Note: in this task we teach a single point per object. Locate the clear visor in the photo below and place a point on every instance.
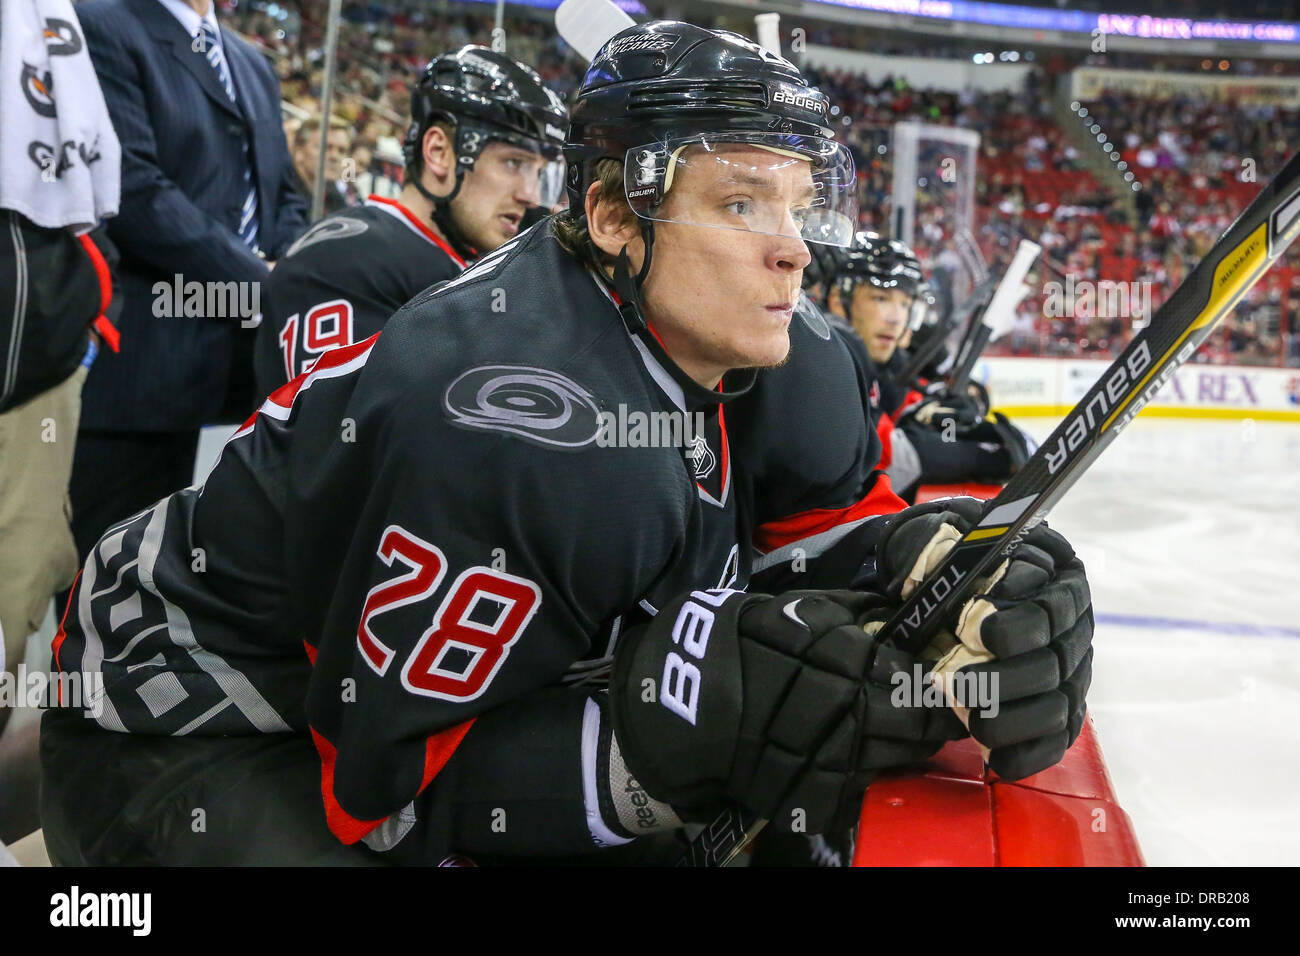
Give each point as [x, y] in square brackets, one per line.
[551, 183]
[769, 183]
[922, 312]
[515, 163]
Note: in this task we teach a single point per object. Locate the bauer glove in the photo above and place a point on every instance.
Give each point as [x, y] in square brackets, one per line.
[1024, 643]
[762, 701]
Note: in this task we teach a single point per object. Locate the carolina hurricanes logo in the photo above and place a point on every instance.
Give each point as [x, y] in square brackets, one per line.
[39, 89]
[875, 394]
[702, 459]
[61, 38]
[536, 404]
[334, 228]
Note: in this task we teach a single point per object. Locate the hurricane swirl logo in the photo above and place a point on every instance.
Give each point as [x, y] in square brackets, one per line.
[38, 88]
[336, 228]
[61, 38]
[536, 404]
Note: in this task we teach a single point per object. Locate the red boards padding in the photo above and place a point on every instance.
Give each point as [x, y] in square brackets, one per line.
[950, 812]
[964, 489]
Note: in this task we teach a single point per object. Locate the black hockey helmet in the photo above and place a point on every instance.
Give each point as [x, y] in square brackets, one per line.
[885, 263]
[656, 89]
[659, 85]
[487, 96]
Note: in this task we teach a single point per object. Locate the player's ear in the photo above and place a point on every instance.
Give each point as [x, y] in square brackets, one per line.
[611, 224]
[438, 152]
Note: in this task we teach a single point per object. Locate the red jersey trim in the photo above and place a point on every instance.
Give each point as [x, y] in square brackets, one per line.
[725, 486]
[880, 500]
[349, 829]
[414, 220]
[280, 402]
[62, 635]
[885, 429]
[910, 399]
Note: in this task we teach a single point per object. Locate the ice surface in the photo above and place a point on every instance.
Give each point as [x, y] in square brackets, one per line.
[1191, 534]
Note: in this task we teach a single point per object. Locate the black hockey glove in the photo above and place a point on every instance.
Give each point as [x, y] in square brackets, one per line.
[940, 405]
[1022, 649]
[758, 701]
[1015, 446]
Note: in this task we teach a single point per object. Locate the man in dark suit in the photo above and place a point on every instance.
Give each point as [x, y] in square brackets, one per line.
[208, 204]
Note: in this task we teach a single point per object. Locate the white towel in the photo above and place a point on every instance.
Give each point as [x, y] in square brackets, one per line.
[60, 161]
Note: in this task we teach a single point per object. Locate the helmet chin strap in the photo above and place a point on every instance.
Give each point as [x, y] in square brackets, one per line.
[442, 216]
[629, 288]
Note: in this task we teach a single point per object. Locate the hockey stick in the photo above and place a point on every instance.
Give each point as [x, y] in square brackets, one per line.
[1241, 256]
[926, 353]
[998, 316]
[964, 316]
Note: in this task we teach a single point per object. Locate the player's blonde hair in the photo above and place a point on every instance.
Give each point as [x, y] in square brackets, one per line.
[571, 225]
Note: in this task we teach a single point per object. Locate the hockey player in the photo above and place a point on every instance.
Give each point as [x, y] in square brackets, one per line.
[931, 436]
[482, 153]
[511, 582]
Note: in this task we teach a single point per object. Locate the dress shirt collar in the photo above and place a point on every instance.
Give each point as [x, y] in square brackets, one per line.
[190, 20]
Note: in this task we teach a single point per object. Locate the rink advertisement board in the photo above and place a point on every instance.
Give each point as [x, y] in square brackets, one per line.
[1034, 386]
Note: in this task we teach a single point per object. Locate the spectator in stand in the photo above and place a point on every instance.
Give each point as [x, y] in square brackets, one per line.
[306, 156]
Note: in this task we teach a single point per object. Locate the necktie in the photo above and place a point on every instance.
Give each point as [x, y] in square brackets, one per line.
[248, 220]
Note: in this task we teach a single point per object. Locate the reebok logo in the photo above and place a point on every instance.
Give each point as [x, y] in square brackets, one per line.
[645, 814]
[77, 909]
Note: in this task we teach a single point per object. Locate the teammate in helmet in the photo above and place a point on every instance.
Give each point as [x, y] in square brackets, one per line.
[879, 290]
[495, 604]
[482, 153]
[484, 132]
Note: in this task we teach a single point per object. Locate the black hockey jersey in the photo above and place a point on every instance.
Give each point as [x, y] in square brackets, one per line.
[341, 281]
[423, 550]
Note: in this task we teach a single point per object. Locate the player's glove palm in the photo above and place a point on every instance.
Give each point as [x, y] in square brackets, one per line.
[763, 701]
[1028, 638]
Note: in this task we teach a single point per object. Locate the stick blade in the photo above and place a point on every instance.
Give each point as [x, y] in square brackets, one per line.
[587, 25]
[1000, 316]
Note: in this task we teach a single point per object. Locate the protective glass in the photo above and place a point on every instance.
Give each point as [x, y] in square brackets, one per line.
[769, 183]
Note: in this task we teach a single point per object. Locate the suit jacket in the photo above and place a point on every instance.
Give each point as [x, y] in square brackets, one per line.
[182, 190]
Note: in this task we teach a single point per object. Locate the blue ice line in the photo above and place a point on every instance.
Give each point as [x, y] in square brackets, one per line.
[1218, 627]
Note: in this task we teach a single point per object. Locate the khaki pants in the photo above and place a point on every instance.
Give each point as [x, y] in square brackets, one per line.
[37, 554]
